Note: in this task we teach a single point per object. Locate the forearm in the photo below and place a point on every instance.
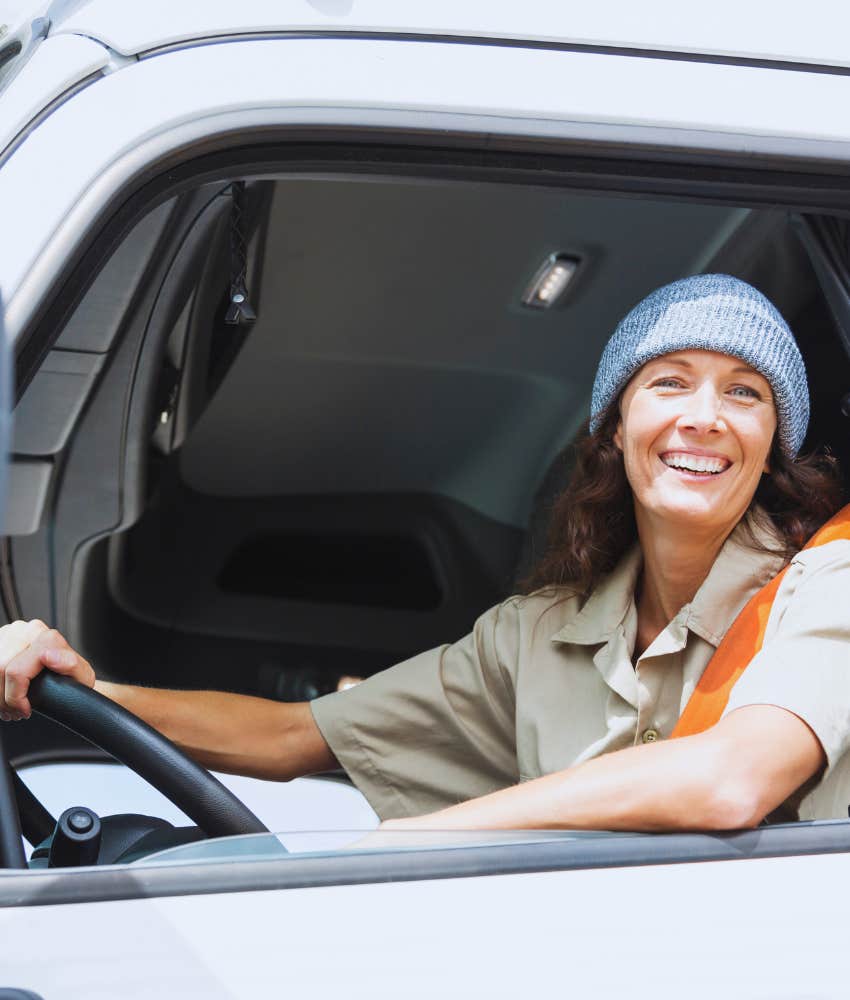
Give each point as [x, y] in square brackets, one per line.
[234, 733]
[728, 778]
[645, 788]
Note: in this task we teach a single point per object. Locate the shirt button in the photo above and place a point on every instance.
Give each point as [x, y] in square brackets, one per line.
[649, 736]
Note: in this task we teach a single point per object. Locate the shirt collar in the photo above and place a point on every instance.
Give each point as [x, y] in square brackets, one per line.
[606, 608]
[740, 569]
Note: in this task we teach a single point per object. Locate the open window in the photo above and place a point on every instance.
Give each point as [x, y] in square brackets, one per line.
[357, 473]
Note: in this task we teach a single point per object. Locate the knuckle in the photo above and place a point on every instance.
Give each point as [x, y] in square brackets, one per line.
[35, 628]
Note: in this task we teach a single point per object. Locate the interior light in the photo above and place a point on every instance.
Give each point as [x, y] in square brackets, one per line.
[551, 281]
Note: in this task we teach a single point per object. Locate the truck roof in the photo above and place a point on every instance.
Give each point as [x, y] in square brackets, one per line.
[730, 29]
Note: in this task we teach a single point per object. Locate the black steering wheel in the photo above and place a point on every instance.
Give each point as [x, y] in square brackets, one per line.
[204, 799]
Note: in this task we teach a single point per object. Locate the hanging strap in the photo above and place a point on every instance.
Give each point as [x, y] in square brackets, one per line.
[239, 310]
[741, 643]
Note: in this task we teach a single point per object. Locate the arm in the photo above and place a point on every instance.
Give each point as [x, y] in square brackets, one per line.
[727, 778]
[229, 732]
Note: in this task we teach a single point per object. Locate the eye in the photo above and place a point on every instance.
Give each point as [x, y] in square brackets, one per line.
[668, 382]
[745, 392]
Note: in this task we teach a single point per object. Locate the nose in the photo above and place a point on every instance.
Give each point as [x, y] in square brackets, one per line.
[702, 411]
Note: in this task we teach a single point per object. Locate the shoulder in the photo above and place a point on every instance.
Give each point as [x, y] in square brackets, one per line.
[538, 615]
[817, 575]
[831, 558]
[813, 594]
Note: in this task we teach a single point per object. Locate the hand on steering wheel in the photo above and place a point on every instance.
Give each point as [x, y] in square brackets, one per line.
[26, 648]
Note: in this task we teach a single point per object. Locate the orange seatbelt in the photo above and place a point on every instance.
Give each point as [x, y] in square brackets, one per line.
[741, 643]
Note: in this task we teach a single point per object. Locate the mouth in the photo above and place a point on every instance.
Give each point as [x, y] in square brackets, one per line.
[699, 466]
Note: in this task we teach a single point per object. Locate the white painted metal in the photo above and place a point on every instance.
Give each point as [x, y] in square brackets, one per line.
[783, 31]
[114, 128]
[58, 63]
[753, 930]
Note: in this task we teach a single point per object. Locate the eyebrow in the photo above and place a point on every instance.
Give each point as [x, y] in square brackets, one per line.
[682, 363]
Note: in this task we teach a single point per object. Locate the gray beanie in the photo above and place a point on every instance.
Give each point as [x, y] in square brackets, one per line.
[710, 312]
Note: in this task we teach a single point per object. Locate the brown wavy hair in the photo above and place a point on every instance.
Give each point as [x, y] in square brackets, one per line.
[592, 522]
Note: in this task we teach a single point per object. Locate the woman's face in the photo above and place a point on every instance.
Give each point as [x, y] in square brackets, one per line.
[695, 431]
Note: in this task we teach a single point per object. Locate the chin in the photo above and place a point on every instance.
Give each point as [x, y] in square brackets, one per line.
[697, 512]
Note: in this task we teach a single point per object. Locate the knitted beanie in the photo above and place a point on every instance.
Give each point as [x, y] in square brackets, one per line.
[710, 312]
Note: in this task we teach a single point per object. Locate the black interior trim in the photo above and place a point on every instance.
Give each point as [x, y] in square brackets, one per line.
[37, 824]
[46, 888]
[828, 259]
[491, 41]
[11, 848]
[8, 590]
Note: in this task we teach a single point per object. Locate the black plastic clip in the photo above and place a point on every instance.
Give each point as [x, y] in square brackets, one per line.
[240, 309]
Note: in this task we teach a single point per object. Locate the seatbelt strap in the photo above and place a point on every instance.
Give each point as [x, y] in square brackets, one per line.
[741, 643]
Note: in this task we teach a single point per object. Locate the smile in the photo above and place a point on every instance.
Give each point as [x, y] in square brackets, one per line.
[701, 465]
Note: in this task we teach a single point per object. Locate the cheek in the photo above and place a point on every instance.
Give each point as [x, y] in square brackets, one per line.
[757, 444]
[638, 434]
[635, 423]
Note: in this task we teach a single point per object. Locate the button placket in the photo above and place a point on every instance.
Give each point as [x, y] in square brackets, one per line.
[659, 662]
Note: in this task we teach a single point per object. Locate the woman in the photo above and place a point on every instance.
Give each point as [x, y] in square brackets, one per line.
[554, 712]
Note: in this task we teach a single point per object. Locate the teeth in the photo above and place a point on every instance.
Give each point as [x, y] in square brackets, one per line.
[695, 463]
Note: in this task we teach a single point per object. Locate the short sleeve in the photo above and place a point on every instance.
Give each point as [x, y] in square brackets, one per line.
[434, 730]
[804, 663]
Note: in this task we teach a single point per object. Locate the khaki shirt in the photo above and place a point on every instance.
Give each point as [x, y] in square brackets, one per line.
[543, 683]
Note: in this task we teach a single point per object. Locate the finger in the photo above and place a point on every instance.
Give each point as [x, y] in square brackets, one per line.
[26, 665]
[15, 692]
[13, 638]
[34, 628]
[50, 639]
[61, 661]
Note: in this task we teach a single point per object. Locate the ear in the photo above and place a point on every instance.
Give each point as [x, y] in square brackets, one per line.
[618, 435]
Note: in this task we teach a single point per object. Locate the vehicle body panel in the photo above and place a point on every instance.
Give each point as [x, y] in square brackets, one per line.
[58, 64]
[699, 930]
[732, 29]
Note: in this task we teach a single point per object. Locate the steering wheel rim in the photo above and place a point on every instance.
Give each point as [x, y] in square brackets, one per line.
[124, 736]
